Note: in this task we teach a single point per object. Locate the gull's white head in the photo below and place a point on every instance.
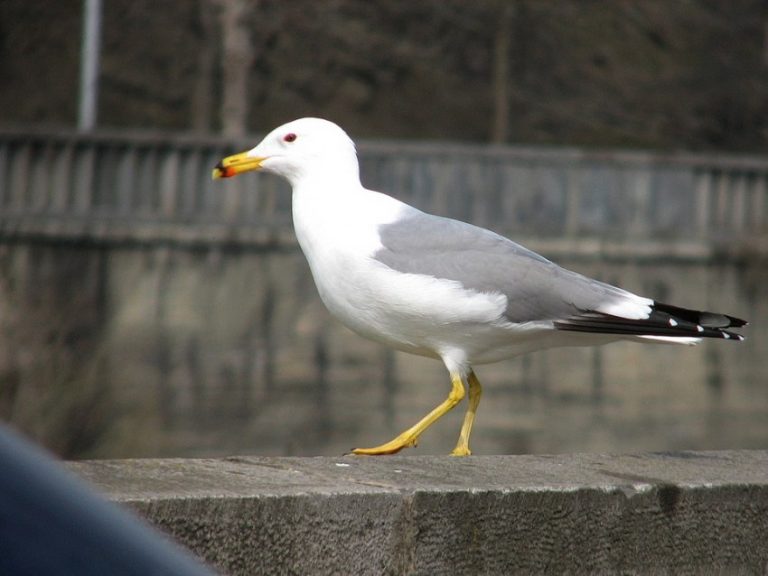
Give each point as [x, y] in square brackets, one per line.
[304, 148]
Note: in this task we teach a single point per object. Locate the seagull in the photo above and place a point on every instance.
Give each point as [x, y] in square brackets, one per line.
[439, 287]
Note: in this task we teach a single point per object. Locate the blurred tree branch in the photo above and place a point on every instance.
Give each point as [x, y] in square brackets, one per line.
[501, 102]
[236, 59]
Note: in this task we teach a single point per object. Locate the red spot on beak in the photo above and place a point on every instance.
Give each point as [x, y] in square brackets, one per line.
[221, 171]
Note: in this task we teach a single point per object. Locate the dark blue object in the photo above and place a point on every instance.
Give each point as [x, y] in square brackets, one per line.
[51, 524]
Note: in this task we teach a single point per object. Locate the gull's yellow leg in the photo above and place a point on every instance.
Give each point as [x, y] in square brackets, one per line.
[475, 391]
[410, 436]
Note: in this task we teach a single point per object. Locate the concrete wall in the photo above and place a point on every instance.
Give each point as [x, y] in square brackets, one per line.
[111, 351]
[662, 513]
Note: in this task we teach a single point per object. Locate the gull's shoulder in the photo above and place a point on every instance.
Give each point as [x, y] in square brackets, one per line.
[415, 230]
[382, 209]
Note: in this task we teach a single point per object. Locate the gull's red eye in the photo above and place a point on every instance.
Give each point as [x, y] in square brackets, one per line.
[290, 137]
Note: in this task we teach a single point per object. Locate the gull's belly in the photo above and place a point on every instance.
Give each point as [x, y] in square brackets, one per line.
[411, 312]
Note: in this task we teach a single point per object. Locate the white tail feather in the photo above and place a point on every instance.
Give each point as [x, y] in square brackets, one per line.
[689, 341]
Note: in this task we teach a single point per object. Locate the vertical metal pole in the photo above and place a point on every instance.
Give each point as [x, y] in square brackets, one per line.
[89, 65]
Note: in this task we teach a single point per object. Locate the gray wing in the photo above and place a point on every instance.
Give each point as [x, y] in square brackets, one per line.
[536, 289]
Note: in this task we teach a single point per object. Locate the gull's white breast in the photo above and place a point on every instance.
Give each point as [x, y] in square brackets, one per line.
[338, 233]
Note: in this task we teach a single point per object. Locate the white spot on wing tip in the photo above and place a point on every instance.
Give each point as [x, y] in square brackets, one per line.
[687, 340]
[672, 322]
[636, 308]
[699, 328]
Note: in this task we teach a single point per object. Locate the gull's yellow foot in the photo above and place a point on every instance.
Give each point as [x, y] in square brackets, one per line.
[391, 447]
[475, 391]
[410, 436]
[461, 451]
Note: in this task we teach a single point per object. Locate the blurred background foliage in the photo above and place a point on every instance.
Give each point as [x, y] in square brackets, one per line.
[683, 74]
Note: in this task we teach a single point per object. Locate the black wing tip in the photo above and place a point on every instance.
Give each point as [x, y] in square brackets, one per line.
[664, 320]
[736, 322]
[704, 332]
[733, 336]
[706, 319]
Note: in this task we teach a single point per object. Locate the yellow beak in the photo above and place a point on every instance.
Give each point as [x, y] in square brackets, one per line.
[236, 164]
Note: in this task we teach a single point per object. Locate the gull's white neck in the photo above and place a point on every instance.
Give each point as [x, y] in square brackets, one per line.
[325, 198]
[325, 204]
[336, 222]
[340, 173]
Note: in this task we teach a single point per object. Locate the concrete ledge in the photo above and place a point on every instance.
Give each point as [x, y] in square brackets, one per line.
[684, 512]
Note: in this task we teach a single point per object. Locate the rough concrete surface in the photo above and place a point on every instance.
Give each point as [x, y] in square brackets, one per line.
[666, 513]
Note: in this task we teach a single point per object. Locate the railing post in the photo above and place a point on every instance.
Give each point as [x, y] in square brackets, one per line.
[757, 206]
[639, 190]
[5, 180]
[126, 180]
[41, 180]
[83, 178]
[721, 207]
[19, 181]
[62, 177]
[703, 182]
[573, 200]
[738, 203]
[169, 182]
